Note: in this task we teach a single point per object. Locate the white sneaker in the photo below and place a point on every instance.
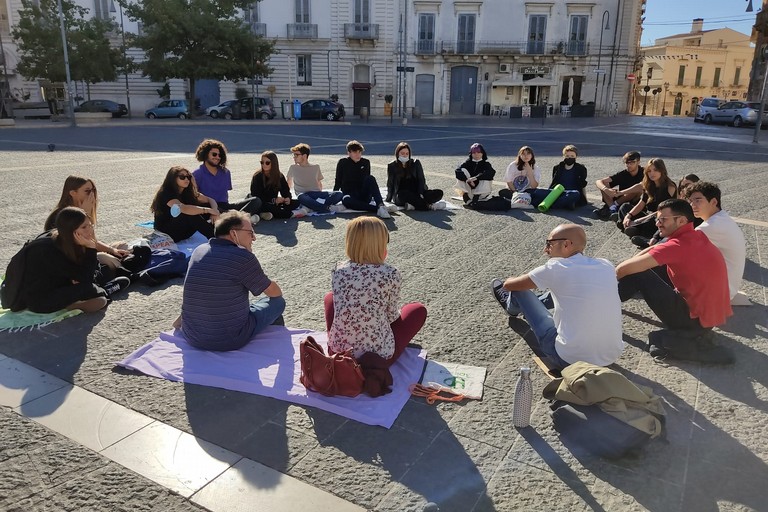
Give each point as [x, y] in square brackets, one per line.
[383, 213]
[338, 208]
[440, 205]
[409, 207]
[255, 219]
[392, 208]
[266, 215]
[299, 212]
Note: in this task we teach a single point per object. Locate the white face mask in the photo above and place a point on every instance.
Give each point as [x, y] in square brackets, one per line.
[403, 159]
[477, 159]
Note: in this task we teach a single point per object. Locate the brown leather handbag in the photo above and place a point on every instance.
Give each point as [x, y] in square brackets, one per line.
[334, 375]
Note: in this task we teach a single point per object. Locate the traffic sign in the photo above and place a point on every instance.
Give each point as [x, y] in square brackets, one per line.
[598, 71]
[631, 77]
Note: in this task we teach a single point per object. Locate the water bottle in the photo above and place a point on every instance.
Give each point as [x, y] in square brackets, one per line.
[521, 411]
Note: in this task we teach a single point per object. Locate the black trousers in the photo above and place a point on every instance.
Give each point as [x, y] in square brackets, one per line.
[252, 205]
[281, 211]
[184, 226]
[419, 201]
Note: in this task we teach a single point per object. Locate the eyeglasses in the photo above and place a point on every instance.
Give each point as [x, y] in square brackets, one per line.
[266, 162]
[214, 154]
[252, 232]
[548, 243]
[662, 220]
[184, 177]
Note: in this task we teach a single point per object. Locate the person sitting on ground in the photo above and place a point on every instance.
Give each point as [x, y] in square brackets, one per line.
[723, 232]
[522, 176]
[687, 180]
[572, 176]
[474, 176]
[307, 181]
[623, 187]
[215, 311]
[214, 179]
[580, 286]
[638, 220]
[63, 271]
[180, 210]
[695, 297]
[353, 178]
[361, 311]
[406, 184]
[271, 188]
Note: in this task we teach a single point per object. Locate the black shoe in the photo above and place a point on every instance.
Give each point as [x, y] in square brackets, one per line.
[603, 212]
[614, 216]
[279, 321]
[465, 197]
[115, 285]
[641, 241]
[502, 297]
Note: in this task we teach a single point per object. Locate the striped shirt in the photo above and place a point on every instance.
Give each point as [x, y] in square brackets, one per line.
[215, 304]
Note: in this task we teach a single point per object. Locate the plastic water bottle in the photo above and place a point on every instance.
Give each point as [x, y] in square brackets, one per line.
[521, 411]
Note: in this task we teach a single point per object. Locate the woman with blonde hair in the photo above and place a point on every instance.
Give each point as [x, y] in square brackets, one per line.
[657, 187]
[271, 187]
[361, 311]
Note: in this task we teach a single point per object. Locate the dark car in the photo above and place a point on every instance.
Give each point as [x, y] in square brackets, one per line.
[243, 109]
[322, 109]
[117, 109]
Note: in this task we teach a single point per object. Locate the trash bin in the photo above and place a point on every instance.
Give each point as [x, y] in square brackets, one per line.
[363, 112]
[297, 109]
[486, 109]
[538, 111]
[515, 112]
[285, 107]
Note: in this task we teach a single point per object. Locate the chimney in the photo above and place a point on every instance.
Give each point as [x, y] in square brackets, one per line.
[697, 25]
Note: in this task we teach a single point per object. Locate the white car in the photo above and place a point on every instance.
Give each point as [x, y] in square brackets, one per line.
[214, 110]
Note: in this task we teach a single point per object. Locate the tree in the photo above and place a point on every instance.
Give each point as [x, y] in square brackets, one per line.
[194, 39]
[38, 37]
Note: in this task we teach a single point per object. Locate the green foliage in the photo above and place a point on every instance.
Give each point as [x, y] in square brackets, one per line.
[165, 91]
[38, 37]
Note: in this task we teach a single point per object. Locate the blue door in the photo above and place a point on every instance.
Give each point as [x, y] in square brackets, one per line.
[207, 92]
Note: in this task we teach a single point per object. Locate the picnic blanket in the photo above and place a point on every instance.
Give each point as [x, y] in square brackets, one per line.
[269, 366]
[21, 320]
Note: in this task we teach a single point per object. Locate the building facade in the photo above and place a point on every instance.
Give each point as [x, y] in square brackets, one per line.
[685, 68]
[434, 57]
[760, 40]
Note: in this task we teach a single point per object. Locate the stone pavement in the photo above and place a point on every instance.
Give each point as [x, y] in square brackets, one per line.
[464, 457]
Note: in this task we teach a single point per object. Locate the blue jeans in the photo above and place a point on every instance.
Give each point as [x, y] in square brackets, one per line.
[309, 199]
[567, 199]
[266, 310]
[541, 322]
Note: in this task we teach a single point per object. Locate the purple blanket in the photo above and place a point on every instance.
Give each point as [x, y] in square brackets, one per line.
[269, 366]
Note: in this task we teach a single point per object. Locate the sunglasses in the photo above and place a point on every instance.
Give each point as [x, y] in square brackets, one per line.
[548, 243]
[213, 154]
[266, 162]
[184, 177]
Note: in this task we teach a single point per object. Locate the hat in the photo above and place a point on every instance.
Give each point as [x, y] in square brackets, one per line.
[476, 147]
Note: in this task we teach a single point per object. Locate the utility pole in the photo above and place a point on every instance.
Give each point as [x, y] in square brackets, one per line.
[66, 66]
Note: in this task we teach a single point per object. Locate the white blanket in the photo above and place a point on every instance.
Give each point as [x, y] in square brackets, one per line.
[269, 366]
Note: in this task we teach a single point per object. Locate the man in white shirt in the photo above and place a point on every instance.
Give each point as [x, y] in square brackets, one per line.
[723, 232]
[586, 324]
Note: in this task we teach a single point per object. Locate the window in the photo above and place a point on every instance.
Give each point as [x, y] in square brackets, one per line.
[681, 75]
[426, 41]
[697, 83]
[577, 37]
[303, 70]
[716, 80]
[537, 31]
[101, 9]
[465, 40]
[362, 11]
[302, 11]
[737, 76]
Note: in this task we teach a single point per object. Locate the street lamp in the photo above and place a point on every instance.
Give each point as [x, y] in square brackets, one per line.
[125, 59]
[646, 89]
[603, 27]
[664, 104]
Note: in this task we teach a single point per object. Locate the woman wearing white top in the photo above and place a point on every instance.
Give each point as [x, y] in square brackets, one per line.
[522, 174]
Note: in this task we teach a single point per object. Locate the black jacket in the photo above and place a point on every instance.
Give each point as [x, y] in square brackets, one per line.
[581, 178]
[260, 190]
[482, 169]
[350, 175]
[396, 174]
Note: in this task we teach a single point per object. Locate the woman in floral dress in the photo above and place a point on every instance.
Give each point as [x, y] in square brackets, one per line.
[361, 311]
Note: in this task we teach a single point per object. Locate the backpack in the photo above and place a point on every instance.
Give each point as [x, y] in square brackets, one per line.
[10, 290]
[164, 264]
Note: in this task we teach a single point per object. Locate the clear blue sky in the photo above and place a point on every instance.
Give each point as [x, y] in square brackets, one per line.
[667, 17]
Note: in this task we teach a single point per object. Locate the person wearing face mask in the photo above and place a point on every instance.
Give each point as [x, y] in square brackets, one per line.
[406, 185]
[572, 176]
[224, 271]
[474, 177]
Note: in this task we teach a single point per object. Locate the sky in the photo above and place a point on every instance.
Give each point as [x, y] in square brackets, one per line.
[667, 17]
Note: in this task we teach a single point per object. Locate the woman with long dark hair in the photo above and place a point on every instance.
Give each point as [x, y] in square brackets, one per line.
[62, 272]
[657, 187]
[271, 187]
[406, 185]
[180, 209]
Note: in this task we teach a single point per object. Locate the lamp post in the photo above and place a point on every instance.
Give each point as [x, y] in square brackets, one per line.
[71, 108]
[603, 27]
[646, 89]
[664, 104]
[125, 59]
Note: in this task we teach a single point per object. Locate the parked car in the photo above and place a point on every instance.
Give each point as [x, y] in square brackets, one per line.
[117, 109]
[169, 108]
[215, 110]
[322, 109]
[738, 113]
[243, 109]
[705, 108]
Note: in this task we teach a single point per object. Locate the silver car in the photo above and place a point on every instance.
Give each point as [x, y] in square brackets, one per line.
[705, 108]
[739, 113]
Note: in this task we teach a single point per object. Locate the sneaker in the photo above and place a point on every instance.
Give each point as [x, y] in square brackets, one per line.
[502, 296]
[392, 208]
[409, 207]
[465, 197]
[383, 213]
[640, 241]
[255, 219]
[603, 212]
[266, 215]
[613, 213]
[299, 213]
[337, 208]
[614, 217]
[440, 205]
[115, 285]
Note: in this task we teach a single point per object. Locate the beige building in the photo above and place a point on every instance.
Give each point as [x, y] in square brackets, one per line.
[684, 68]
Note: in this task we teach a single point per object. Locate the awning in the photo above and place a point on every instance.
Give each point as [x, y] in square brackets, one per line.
[540, 82]
[507, 82]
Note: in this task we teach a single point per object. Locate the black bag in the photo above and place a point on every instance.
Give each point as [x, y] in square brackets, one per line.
[138, 260]
[593, 429]
[10, 290]
[493, 204]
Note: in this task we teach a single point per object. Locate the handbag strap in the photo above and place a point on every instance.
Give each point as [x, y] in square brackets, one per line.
[432, 393]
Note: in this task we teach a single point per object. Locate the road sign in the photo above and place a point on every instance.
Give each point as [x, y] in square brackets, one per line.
[631, 77]
[406, 69]
[598, 71]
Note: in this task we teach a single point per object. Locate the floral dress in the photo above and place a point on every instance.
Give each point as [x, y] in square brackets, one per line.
[365, 298]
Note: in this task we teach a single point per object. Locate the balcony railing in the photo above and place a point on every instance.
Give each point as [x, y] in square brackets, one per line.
[302, 31]
[361, 31]
[505, 48]
[259, 29]
[426, 47]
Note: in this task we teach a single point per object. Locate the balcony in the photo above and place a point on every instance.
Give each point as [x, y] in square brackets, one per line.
[368, 31]
[505, 48]
[425, 47]
[302, 31]
[259, 29]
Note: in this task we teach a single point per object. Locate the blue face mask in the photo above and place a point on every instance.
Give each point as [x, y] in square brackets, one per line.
[403, 159]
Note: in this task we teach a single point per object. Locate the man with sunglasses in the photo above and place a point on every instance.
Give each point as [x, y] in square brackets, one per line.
[216, 313]
[581, 288]
[692, 295]
[215, 180]
[623, 187]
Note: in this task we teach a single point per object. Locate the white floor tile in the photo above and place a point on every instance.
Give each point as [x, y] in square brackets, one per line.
[21, 383]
